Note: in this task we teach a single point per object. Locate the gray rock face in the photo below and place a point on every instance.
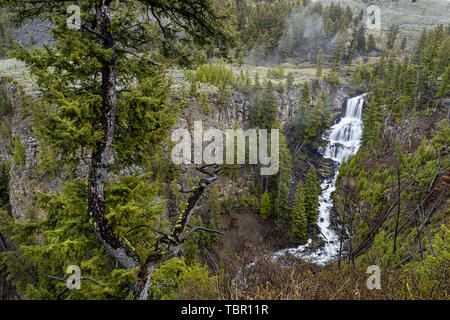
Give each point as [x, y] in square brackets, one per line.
[26, 179]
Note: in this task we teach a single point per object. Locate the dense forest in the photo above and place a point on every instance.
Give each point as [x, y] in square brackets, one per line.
[86, 137]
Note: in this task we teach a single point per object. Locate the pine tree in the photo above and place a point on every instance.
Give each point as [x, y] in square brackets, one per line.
[257, 83]
[203, 102]
[392, 35]
[360, 39]
[184, 96]
[306, 95]
[338, 50]
[83, 116]
[444, 86]
[403, 44]
[193, 88]
[371, 45]
[312, 192]
[283, 181]
[289, 81]
[299, 219]
[319, 62]
[4, 184]
[373, 118]
[266, 206]
[224, 94]
[264, 109]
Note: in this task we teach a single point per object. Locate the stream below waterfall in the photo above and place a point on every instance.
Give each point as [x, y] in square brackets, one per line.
[344, 142]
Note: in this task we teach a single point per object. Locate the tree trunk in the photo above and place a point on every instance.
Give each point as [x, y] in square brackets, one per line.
[98, 172]
[398, 202]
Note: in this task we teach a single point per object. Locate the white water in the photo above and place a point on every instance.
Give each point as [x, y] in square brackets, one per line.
[344, 142]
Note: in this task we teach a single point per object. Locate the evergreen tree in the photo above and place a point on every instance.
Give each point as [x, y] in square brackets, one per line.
[203, 102]
[257, 83]
[318, 123]
[289, 81]
[373, 117]
[299, 219]
[393, 31]
[360, 39]
[224, 94]
[338, 50]
[444, 86]
[319, 62]
[266, 206]
[4, 184]
[403, 44]
[283, 181]
[193, 88]
[264, 109]
[312, 192]
[82, 115]
[371, 45]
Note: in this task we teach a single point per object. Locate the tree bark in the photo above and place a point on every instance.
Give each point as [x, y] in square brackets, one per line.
[398, 202]
[98, 172]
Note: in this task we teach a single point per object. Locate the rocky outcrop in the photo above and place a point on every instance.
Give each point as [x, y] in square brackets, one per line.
[25, 178]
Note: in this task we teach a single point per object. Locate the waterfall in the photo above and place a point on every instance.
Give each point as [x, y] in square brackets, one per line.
[344, 142]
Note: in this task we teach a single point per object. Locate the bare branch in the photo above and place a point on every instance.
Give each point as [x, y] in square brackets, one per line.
[200, 229]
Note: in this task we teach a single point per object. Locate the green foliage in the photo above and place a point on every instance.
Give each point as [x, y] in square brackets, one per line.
[319, 62]
[204, 103]
[283, 182]
[223, 95]
[5, 105]
[215, 74]
[312, 122]
[94, 94]
[299, 219]
[209, 239]
[393, 31]
[193, 88]
[4, 184]
[261, 25]
[65, 237]
[338, 50]
[333, 78]
[428, 276]
[266, 206]
[359, 36]
[175, 279]
[6, 38]
[318, 122]
[442, 138]
[264, 109]
[312, 192]
[257, 82]
[73, 128]
[373, 117]
[280, 88]
[361, 75]
[184, 97]
[371, 44]
[444, 86]
[19, 153]
[275, 73]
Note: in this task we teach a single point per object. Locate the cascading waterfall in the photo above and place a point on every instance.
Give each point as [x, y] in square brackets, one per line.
[344, 142]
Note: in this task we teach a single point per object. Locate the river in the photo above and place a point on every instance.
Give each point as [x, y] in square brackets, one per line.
[344, 142]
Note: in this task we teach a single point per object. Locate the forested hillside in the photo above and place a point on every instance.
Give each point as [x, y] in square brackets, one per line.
[93, 109]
